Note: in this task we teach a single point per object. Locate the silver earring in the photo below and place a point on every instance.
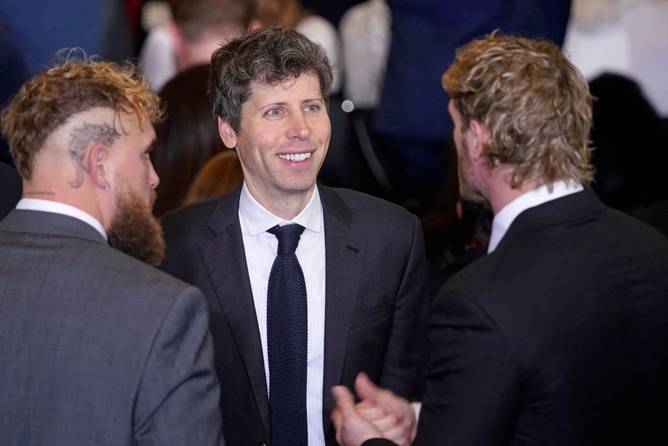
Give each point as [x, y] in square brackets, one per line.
[106, 185]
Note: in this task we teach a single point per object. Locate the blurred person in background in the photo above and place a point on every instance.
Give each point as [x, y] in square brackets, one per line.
[42, 28]
[411, 122]
[186, 138]
[13, 73]
[10, 189]
[622, 37]
[196, 29]
[220, 175]
[291, 14]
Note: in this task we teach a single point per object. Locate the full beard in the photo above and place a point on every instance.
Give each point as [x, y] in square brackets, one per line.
[135, 231]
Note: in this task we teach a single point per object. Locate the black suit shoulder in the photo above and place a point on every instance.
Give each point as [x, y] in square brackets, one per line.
[574, 297]
[191, 219]
[369, 207]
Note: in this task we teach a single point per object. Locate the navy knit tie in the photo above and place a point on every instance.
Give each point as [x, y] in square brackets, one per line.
[286, 341]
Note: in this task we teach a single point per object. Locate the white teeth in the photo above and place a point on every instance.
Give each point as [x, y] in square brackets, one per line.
[296, 156]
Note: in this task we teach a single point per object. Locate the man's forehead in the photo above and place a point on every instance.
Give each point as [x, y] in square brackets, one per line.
[308, 79]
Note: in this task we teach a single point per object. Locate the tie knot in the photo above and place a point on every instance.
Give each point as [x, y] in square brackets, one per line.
[288, 237]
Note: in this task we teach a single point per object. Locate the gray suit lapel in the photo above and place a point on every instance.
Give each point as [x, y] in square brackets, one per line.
[224, 259]
[344, 255]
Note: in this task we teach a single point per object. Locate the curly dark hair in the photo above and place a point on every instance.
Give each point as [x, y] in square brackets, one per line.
[267, 56]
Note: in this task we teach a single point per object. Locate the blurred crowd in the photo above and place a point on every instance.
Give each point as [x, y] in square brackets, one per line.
[431, 195]
[391, 132]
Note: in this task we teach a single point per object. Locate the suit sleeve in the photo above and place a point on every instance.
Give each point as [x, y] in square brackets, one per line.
[177, 401]
[472, 390]
[406, 352]
[379, 442]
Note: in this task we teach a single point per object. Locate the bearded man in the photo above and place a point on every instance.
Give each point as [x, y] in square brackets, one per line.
[96, 346]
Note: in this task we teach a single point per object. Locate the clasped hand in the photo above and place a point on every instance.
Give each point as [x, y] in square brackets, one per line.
[379, 414]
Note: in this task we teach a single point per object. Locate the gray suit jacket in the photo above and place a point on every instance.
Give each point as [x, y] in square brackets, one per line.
[375, 292]
[97, 347]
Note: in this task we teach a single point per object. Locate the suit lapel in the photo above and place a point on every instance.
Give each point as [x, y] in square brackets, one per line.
[225, 262]
[344, 247]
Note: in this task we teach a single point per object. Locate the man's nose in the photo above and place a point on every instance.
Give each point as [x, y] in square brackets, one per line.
[153, 178]
[299, 126]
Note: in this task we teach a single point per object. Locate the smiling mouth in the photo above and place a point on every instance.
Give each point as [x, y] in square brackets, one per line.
[296, 157]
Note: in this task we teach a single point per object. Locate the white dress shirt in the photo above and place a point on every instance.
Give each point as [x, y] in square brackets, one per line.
[56, 207]
[260, 247]
[505, 217]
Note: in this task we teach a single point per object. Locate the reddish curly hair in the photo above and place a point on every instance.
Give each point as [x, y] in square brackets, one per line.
[48, 100]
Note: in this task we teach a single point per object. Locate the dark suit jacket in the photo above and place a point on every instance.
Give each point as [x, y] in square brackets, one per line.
[10, 189]
[558, 337]
[97, 347]
[375, 289]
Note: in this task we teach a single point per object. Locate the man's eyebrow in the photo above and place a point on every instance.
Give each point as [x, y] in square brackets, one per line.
[271, 104]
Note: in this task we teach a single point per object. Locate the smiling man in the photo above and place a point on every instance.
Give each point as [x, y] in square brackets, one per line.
[97, 347]
[345, 292]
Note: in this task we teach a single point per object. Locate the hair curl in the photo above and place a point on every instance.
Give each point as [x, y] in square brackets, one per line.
[267, 56]
[47, 101]
[534, 102]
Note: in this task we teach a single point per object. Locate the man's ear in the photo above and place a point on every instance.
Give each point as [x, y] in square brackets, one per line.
[227, 134]
[97, 165]
[478, 137]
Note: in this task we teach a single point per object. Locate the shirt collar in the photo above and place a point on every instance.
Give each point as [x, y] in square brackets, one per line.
[56, 207]
[257, 219]
[505, 217]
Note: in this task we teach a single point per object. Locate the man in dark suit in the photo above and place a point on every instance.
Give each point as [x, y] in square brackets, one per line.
[10, 185]
[558, 336]
[97, 347]
[361, 258]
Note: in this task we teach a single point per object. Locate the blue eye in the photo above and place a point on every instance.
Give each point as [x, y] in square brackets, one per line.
[313, 107]
[273, 112]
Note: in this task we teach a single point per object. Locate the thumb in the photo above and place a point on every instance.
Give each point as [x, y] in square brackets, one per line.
[366, 389]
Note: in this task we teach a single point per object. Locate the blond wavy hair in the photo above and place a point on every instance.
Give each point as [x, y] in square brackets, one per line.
[534, 102]
[48, 100]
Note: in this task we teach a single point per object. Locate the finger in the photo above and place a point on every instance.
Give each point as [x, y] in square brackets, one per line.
[369, 412]
[365, 388]
[345, 401]
[386, 423]
[337, 417]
